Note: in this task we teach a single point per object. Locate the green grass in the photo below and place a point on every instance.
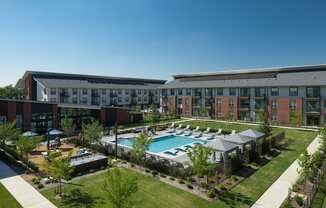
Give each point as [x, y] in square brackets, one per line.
[132, 125]
[6, 200]
[320, 197]
[153, 193]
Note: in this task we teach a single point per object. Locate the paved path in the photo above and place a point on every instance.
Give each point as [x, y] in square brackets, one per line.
[25, 194]
[278, 191]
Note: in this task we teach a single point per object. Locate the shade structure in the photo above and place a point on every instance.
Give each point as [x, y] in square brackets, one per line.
[55, 132]
[237, 139]
[29, 134]
[221, 145]
[252, 134]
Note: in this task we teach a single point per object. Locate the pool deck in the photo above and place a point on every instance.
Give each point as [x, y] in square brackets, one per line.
[180, 157]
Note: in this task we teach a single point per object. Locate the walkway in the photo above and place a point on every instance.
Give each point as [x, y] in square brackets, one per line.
[278, 191]
[25, 194]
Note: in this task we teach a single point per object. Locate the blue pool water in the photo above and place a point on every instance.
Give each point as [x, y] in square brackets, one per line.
[162, 143]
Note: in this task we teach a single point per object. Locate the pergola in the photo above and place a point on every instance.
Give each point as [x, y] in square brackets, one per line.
[237, 139]
[223, 148]
[256, 136]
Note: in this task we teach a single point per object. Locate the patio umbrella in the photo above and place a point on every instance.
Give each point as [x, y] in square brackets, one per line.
[55, 132]
[29, 134]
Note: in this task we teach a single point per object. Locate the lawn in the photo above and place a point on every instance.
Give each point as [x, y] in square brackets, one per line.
[6, 200]
[165, 121]
[320, 197]
[153, 193]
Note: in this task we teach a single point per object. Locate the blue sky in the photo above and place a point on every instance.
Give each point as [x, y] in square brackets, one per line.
[155, 39]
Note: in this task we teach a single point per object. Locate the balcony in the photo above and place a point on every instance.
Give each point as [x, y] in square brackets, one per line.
[313, 107]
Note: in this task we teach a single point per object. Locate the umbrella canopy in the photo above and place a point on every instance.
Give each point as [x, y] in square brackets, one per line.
[221, 145]
[252, 134]
[55, 132]
[29, 134]
[237, 139]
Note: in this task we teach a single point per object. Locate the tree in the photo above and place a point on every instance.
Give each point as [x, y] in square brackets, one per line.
[141, 145]
[120, 188]
[304, 162]
[11, 92]
[8, 132]
[26, 145]
[322, 135]
[91, 132]
[153, 116]
[60, 169]
[68, 126]
[265, 127]
[199, 156]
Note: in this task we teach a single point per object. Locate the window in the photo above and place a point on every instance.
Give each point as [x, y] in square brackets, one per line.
[274, 116]
[145, 99]
[103, 100]
[274, 104]
[219, 105]
[139, 99]
[119, 92]
[172, 92]
[53, 100]
[188, 92]
[293, 91]
[84, 100]
[313, 92]
[127, 92]
[232, 92]
[179, 91]
[274, 91]
[127, 100]
[208, 92]
[139, 92]
[84, 91]
[145, 92]
[293, 105]
[74, 100]
[244, 92]
[3, 119]
[260, 92]
[231, 103]
[103, 91]
[53, 91]
[74, 91]
[119, 99]
[197, 92]
[219, 91]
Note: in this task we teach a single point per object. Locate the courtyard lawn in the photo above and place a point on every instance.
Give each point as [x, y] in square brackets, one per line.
[153, 193]
[165, 121]
[320, 197]
[6, 200]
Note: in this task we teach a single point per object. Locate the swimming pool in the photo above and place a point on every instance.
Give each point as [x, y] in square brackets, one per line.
[163, 143]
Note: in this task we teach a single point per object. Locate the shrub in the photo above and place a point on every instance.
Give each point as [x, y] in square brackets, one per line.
[211, 193]
[190, 186]
[221, 187]
[181, 181]
[162, 175]
[39, 186]
[298, 199]
[154, 173]
[172, 179]
[147, 171]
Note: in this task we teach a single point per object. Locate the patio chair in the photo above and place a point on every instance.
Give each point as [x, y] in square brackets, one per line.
[187, 133]
[182, 149]
[209, 136]
[187, 127]
[171, 130]
[198, 134]
[233, 132]
[219, 132]
[180, 132]
[207, 130]
[180, 126]
[197, 129]
[171, 152]
[172, 125]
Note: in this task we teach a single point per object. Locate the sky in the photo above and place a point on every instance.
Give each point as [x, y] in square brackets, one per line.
[158, 38]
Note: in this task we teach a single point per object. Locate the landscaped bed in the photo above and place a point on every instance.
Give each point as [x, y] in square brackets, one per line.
[6, 200]
[153, 193]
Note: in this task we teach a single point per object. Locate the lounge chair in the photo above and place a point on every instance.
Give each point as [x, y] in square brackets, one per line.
[171, 152]
[171, 130]
[207, 130]
[209, 136]
[197, 129]
[233, 132]
[187, 127]
[180, 126]
[219, 132]
[180, 132]
[172, 125]
[182, 149]
[187, 133]
[197, 135]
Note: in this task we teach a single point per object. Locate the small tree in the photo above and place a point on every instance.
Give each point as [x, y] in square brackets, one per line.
[141, 145]
[26, 145]
[322, 135]
[265, 127]
[153, 116]
[68, 126]
[199, 156]
[120, 188]
[60, 169]
[91, 132]
[304, 162]
[8, 132]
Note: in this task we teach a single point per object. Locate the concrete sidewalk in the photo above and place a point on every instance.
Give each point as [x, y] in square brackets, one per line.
[278, 191]
[25, 194]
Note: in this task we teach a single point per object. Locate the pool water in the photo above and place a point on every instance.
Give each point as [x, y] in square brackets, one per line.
[162, 143]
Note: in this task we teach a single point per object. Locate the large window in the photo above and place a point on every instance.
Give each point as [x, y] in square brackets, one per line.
[293, 91]
[53, 91]
[74, 91]
[260, 92]
[198, 92]
[188, 92]
[244, 92]
[274, 91]
[179, 91]
[84, 91]
[219, 91]
[172, 93]
[3, 119]
[313, 92]
[293, 105]
[232, 92]
[208, 92]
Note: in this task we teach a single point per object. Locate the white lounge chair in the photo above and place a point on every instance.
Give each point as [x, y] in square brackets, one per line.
[207, 130]
[233, 132]
[179, 132]
[171, 130]
[187, 127]
[188, 133]
[171, 152]
[172, 125]
[219, 132]
[180, 126]
[198, 134]
[208, 136]
[196, 129]
[182, 148]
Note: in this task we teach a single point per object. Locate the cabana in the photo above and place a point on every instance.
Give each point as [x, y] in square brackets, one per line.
[221, 151]
[242, 142]
[256, 136]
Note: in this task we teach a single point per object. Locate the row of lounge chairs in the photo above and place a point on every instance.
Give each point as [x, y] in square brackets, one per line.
[188, 132]
[184, 148]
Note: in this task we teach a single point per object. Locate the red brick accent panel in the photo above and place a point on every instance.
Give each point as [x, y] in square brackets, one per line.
[27, 116]
[184, 111]
[213, 105]
[122, 116]
[283, 112]
[172, 103]
[225, 106]
[11, 111]
[55, 116]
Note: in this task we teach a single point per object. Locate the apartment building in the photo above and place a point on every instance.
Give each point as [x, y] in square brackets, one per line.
[288, 95]
[73, 90]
